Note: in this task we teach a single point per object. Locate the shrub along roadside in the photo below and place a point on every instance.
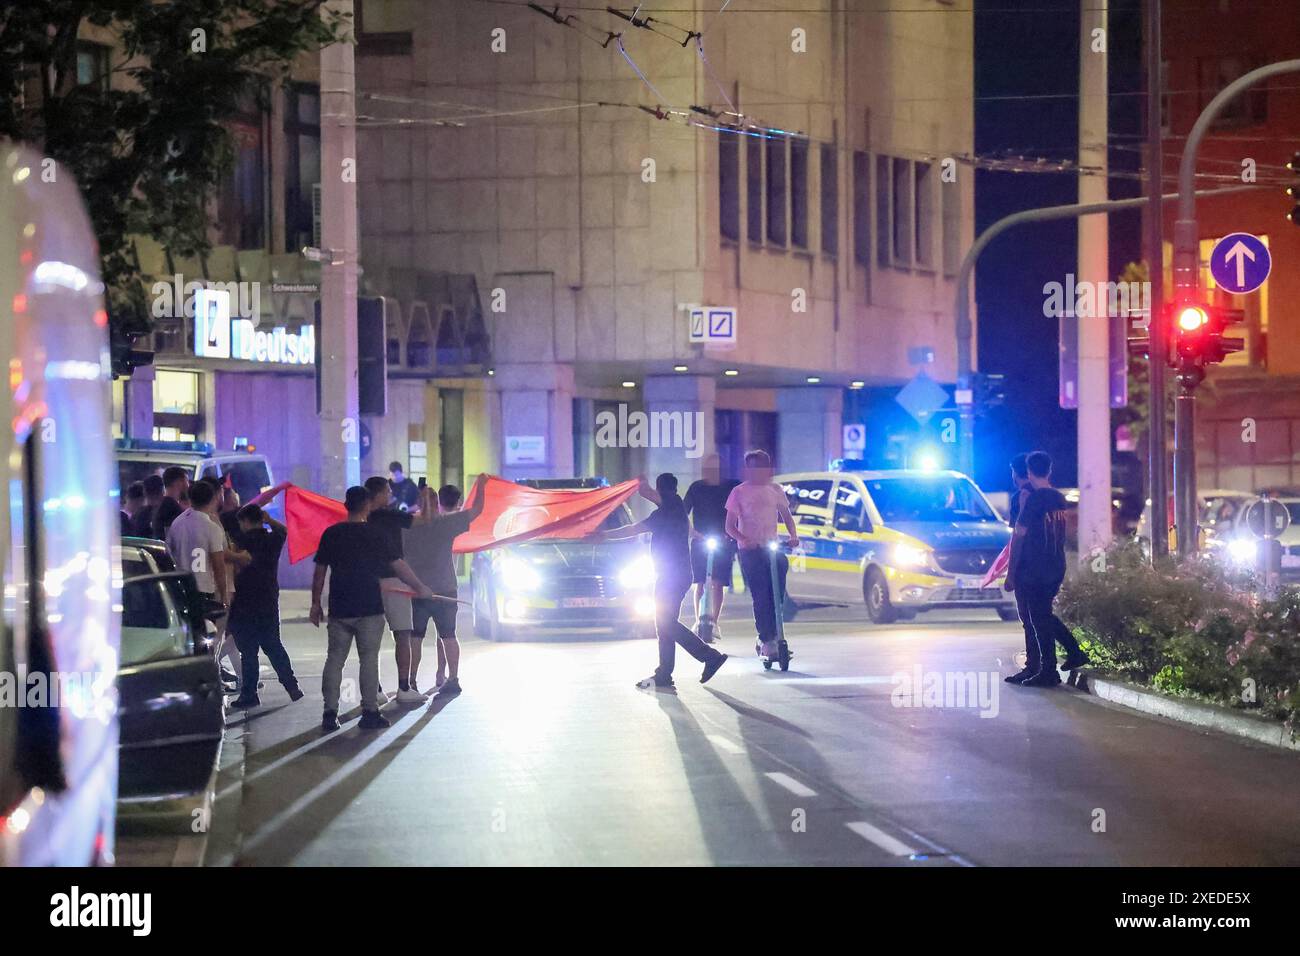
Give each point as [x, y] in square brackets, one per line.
[1192, 629]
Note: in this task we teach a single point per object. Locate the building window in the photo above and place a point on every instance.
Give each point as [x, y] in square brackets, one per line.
[385, 26]
[754, 187]
[729, 186]
[92, 65]
[951, 210]
[241, 199]
[177, 414]
[830, 190]
[302, 165]
[923, 212]
[884, 209]
[799, 193]
[777, 210]
[861, 208]
[1214, 73]
[903, 212]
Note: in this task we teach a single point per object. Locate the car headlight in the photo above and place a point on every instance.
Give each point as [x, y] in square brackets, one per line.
[637, 575]
[910, 556]
[517, 574]
[1243, 550]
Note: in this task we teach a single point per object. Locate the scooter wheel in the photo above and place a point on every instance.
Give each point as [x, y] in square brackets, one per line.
[767, 665]
[783, 656]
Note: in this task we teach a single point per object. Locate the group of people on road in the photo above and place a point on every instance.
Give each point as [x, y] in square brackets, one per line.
[390, 562]
[697, 540]
[1036, 570]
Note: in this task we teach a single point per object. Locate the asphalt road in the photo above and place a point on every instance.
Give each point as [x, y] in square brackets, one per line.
[552, 756]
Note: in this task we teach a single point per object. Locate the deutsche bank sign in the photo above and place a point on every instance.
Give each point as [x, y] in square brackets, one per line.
[219, 335]
[713, 325]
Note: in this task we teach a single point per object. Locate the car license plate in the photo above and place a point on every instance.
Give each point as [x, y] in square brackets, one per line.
[583, 602]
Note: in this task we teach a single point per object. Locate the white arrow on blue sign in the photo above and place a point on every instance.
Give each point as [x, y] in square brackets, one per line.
[1240, 263]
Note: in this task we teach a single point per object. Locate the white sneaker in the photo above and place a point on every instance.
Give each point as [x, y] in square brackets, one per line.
[411, 696]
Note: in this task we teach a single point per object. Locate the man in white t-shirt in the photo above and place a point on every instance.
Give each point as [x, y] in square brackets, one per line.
[754, 509]
[197, 543]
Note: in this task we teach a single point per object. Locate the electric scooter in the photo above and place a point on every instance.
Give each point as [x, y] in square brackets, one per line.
[707, 612]
[783, 653]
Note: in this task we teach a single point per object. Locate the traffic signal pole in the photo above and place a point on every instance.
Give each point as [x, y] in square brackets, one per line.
[1187, 269]
[1157, 328]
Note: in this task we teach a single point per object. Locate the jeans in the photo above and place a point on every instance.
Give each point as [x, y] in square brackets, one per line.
[671, 631]
[1045, 628]
[367, 631]
[264, 635]
[756, 569]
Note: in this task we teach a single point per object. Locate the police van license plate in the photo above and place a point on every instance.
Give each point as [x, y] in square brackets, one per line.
[583, 602]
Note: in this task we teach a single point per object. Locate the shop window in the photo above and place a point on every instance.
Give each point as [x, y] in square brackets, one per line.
[830, 196]
[241, 198]
[92, 65]
[385, 26]
[754, 188]
[302, 165]
[778, 153]
[799, 193]
[176, 392]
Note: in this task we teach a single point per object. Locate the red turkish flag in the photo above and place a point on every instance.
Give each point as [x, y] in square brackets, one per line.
[307, 515]
[511, 513]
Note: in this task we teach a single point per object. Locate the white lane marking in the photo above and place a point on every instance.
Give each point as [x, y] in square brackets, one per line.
[791, 784]
[881, 839]
[867, 679]
[723, 743]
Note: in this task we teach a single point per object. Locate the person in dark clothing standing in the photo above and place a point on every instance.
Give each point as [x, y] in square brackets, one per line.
[132, 504]
[406, 494]
[706, 504]
[1020, 491]
[176, 488]
[391, 521]
[142, 523]
[1036, 570]
[670, 551]
[254, 619]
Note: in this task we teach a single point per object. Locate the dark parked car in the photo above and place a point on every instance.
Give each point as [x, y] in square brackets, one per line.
[171, 706]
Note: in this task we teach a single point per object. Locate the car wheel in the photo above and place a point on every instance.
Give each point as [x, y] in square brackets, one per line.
[1008, 614]
[875, 592]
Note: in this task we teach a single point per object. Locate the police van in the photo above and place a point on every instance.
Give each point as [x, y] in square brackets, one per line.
[249, 472]
[900, 541]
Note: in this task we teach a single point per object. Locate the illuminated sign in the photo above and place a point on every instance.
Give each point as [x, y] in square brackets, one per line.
[218, 335]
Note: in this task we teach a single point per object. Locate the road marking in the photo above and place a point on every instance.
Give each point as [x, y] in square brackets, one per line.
[881, 839]
[866, 679]
[791, 784]
[722, 743]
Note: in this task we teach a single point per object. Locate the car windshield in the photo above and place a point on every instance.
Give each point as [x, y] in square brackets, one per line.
[937, 498]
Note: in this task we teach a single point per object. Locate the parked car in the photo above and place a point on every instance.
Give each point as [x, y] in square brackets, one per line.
[171, 707]
[900, 541]
[553, 583]
[1242, 547]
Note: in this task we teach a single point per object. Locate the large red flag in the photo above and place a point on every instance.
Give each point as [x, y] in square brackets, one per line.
[511, 513]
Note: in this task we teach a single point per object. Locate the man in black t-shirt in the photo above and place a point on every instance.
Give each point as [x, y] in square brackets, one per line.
[1036, 570]
[358, 556]
[1020, 490]
[254, 618]
[391, 521]
[706, 503]
[406, 494]
[669, 550]
[176, 487]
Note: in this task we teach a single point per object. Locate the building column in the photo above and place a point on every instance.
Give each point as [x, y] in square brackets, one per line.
[680, 412]
[809, 428]
[536, 402]
[137, 402]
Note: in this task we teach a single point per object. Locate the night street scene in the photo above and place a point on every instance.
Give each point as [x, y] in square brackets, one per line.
[843, 435]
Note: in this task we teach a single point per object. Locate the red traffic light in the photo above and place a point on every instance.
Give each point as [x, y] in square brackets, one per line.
[1192, 318]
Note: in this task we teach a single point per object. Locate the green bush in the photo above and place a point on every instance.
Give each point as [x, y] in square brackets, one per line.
[1193, 629]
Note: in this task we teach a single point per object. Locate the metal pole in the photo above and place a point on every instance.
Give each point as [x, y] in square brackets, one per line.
[339, 420]
[1093, 332]
[1185, 517]
[1187, 275]
[1158, 485]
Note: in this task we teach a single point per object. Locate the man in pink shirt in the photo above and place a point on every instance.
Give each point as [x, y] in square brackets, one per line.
[754, 509]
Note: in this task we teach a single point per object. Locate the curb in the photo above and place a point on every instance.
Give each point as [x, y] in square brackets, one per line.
[1194, 712]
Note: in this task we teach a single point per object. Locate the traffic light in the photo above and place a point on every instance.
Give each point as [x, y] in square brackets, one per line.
[1293, 191]
[1197, 337]
[125, 357]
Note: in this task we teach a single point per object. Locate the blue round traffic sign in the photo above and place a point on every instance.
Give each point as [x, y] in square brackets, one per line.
[1240, 262]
